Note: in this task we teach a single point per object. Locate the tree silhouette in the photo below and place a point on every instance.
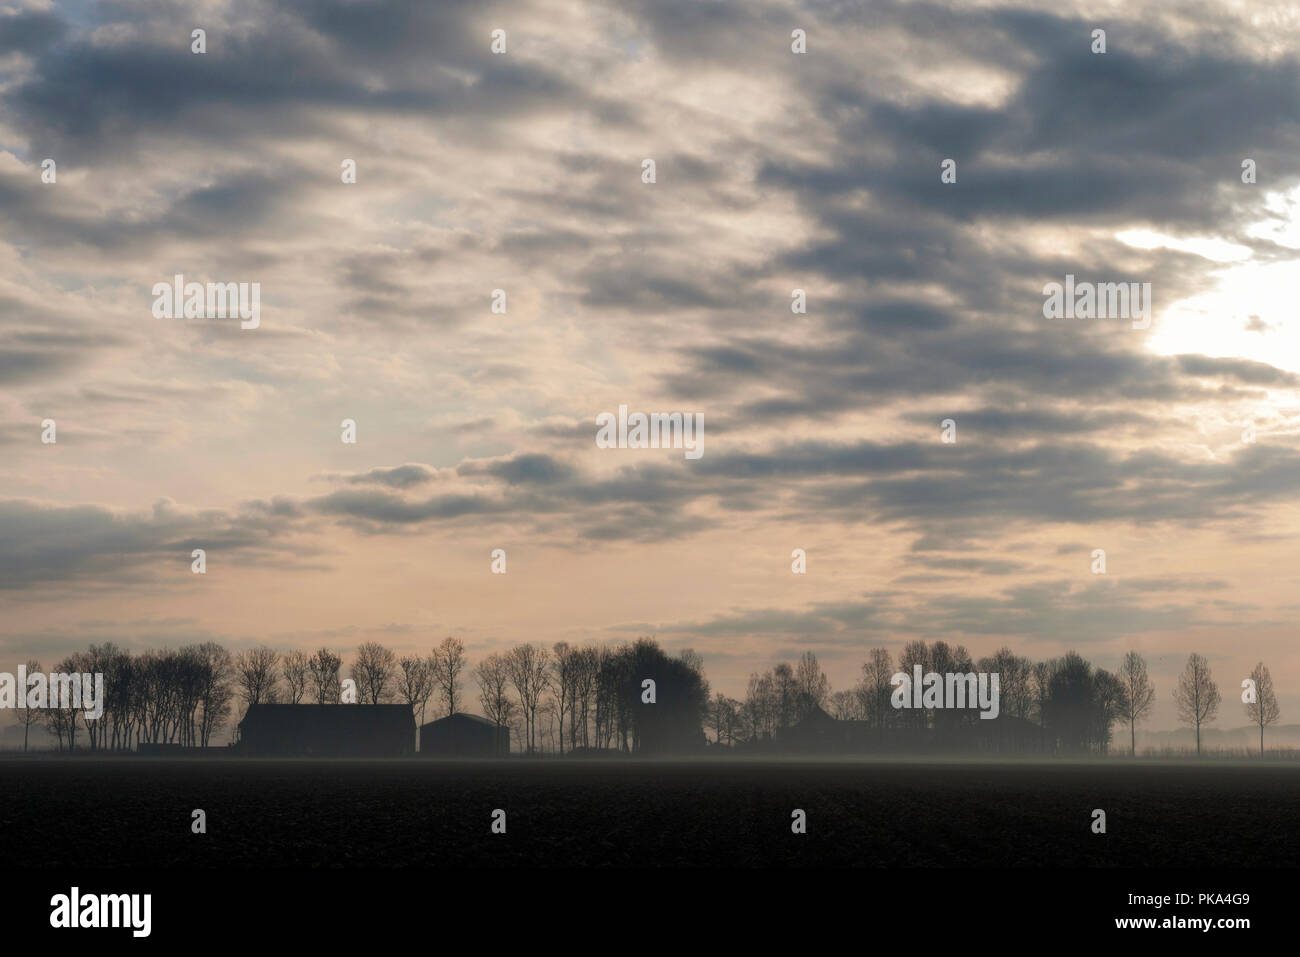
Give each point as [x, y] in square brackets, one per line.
[1197, 696]
[1016, 694]
[874, 691]
[255, 675]
[1140, 694]
[527, 667]
[1263, 710]
[723, 718]
[586, 669]
[374, 671]
[213, 668]
[845, 705]
[294, 669]
[914, 653]
[1110, 702]
[563, 678]
[812, 689]
[415, 684]
[29, 716]
[493, 676]
[675, 721]
[323, 675]
[449, 661]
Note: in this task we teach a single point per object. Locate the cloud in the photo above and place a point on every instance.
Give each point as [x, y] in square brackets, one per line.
[400, 476]
[43, 543]
[522, 173]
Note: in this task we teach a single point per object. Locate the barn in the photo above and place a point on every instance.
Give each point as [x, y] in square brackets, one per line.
[463, 735]
[331, 730]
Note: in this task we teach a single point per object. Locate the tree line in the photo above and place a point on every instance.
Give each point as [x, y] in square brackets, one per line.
[562, 698]
[569, 698]
[1072, 706]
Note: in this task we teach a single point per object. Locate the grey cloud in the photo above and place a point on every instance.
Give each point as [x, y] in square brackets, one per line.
[44, 543]
[24, 30]
[530, 469]
[400, 476]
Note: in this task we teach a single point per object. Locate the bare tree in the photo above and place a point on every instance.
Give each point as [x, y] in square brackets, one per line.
[493, 676]
[778, 693]
[1139, 694]
[845, 705]
[1040, 685]
[877, 681]
[1197, 695]
[563, 669]
[914, 653]
[450, 661]
[214, 667]
[586, 672]
[1109, 704]
[96, 661]
[518, 730]
[415, 684]
[1014, 685]
[548, 712]
[191, 677]
[373, 671]
[323, 676]
[812, 689]
[606, 694]
[153, 695]
[62, 722]
[527, 666]
[1263, 710]
[80, 663]
[119, 675]
[723, 718]
[761, 707]
[294, 669]
[255, 675]
[29, 716]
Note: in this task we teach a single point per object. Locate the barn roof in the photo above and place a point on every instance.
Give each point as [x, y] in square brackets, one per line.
[460, 716]
[329, 716]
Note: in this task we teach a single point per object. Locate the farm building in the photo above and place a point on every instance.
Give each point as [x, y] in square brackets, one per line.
[464, 736]
[343, 730]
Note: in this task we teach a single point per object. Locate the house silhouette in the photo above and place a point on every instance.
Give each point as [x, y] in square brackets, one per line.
[334, 730]
[465, 736]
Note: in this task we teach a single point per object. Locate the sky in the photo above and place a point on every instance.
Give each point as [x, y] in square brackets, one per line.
[522, 171]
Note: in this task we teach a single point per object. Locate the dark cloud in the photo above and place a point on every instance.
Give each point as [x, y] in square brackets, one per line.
[42, 543]
[1008, 423]
[25, 30]
[281, 67]
[943, 494]
[400, 476]
[531, 469]
[1059, 610]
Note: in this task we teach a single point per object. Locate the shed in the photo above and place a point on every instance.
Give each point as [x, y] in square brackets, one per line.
[351, 730]
[464, 736]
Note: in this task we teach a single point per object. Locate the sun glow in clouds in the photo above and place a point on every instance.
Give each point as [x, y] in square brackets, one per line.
[1219, 250]
[1250, 313]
